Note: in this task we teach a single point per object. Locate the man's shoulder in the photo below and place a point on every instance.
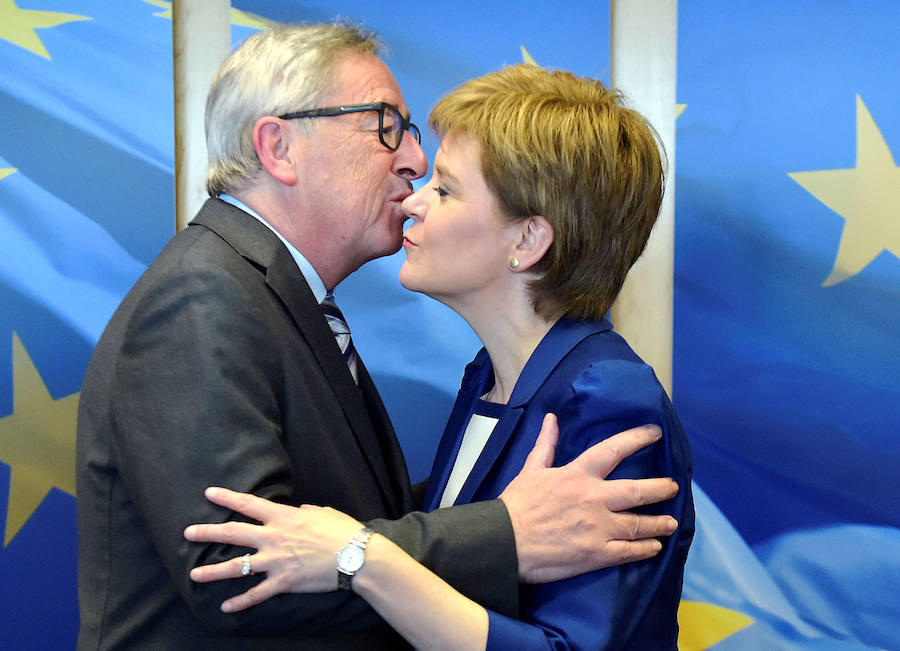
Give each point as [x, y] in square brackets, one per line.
[244, 233]
[219, 242]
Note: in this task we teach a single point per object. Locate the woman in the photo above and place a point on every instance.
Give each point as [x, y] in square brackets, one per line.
[544, 192]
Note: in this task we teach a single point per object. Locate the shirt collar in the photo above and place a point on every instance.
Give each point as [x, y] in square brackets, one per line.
[309, 273]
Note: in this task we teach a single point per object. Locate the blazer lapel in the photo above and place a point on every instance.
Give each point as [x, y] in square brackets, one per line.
[446, 453]
[493, 449]
[476, 377]
[555, 345]
[561, 338]
[260, 246]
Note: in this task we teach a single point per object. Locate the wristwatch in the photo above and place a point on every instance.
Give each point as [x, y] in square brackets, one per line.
[351, 558]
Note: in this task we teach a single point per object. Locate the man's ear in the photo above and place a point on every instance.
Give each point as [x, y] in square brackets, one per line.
[536, 236]
[272, 140]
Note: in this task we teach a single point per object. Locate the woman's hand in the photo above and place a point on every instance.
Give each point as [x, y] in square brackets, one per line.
[296, 547]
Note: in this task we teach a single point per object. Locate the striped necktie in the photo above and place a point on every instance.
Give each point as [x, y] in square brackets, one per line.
[341, 333]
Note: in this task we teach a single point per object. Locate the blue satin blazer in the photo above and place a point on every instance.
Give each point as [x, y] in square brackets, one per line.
[596, 385]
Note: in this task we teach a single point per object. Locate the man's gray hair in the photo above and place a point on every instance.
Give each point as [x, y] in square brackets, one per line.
[275, 71]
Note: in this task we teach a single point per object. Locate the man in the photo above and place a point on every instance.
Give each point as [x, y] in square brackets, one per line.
[219, 368]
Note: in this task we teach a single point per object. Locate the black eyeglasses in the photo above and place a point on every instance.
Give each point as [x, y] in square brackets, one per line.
[391, 124]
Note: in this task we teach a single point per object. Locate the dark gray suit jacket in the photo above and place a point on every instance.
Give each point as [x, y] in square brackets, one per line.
[219, 369]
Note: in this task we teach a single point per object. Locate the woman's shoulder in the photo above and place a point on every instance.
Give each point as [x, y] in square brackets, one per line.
[603, 362]
[605, 388]
[601, 379]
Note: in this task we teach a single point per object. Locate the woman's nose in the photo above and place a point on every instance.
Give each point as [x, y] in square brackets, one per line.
[414, 205]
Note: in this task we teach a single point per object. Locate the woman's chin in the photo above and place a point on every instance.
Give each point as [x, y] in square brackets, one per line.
[408, 278]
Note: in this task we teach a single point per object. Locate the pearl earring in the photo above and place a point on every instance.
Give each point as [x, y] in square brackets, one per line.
[514, 263]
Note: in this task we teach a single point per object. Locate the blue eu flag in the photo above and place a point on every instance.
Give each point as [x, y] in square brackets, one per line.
[787, 314]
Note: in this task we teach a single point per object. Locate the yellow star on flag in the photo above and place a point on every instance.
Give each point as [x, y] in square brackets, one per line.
[238, 17]
[17, 25]
[37, 441]
[701, 625]
[866, 196]
[527, 58]
[6, 171]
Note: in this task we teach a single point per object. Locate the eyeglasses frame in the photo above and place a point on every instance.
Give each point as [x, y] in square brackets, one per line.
[344, 109]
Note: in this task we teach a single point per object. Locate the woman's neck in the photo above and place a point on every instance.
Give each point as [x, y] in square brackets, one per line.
[510, 336]
[505, 321]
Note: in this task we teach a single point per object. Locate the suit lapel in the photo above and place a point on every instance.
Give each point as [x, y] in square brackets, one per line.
[254, 241]
[389, 455]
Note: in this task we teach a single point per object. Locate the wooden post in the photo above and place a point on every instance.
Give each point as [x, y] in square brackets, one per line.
[643, 66]
[201, 38]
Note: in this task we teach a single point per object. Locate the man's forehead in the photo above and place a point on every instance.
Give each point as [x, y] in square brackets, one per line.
[363, 78]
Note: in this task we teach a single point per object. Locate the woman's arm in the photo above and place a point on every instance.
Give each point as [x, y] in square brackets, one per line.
[417, 603]
[296, 549]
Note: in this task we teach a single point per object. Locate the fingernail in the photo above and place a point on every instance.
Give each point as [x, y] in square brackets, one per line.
[227, 607]
[672, 525]
[657, 432]
[657, 546]
[188, 532]
[212, 491]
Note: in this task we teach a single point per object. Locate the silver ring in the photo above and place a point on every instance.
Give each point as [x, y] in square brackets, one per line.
[246, 570]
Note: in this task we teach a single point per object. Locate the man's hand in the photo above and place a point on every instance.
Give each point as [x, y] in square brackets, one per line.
[571, 520]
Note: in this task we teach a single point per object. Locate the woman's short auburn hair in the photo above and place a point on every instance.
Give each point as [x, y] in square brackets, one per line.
[569, 149]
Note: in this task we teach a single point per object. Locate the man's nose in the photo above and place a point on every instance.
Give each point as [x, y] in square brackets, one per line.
[411, 160]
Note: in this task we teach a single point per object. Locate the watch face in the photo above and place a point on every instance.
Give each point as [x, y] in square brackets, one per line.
[350, 559]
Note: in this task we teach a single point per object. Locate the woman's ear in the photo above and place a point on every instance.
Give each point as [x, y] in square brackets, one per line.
[272, 141]
[536, 236]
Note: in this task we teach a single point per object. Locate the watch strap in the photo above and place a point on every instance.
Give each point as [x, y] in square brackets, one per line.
[359, 539]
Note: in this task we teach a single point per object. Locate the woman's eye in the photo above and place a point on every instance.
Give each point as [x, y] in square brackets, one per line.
[442, 192]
